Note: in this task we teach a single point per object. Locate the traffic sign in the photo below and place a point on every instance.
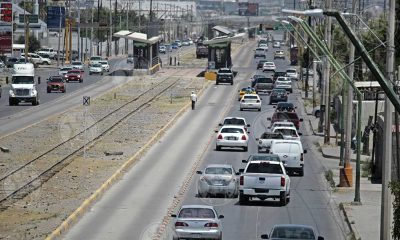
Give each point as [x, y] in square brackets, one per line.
[32, 18]
[55, 15]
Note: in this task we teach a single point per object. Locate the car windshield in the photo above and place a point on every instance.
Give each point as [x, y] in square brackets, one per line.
[293, 233]
[23, 80]
[250, 97]
[234, 121]
[65, 69]
[218, 171]
[232, 130]
[269, 64]
[291, 71]
[285, 105]
[266, 157]
[196, 213]
[265, 80]
[264, 167]
[56, 79]
[279, 90]
[96, 65]
[286, 132]
[75, 72]
[104, 63]
[76, 63]
[286, 147]
[224, 71]
[271, 136]
[95, 58]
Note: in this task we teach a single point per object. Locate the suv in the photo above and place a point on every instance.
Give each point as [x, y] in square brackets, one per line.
[260, 53]
[56, 83]
[286, 116]
[37, 59]
[237, 121]
[279, 54]
[224, 75]
[291, 153]
[264, 85]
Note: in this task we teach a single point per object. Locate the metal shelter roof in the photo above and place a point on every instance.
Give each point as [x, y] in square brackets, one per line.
[136, 36]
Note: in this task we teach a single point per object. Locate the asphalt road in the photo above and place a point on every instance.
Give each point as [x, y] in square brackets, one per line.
[13, 118]
[165, 177]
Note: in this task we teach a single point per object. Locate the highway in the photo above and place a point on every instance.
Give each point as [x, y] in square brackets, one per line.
[163, 179]
[13, 118]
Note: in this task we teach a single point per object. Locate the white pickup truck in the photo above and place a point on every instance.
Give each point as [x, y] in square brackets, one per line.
[266, 139]
[262, 180]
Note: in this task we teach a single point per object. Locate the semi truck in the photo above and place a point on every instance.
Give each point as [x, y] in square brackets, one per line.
[23, 87]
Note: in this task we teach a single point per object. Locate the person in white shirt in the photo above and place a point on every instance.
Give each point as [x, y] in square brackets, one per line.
[193, 97]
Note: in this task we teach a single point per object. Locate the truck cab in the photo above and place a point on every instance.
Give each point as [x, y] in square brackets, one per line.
[23, 87]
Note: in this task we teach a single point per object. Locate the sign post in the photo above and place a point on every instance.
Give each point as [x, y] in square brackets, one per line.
[6, 16]
[86, 104]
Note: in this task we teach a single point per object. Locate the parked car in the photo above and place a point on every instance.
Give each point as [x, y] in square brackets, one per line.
[74, 75]
[232, 137]
[218, 179]
[174, 45]
[291, 153]
[250, 101]
[185, 42]
[162, 49]
[199, 221]
[36, 59]
[96, 68]
[56, 83]
[179, 43]
[291, 231]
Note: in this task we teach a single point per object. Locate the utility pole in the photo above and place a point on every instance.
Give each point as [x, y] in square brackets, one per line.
[91, 34]
[110, 33]
[59, 37]
[328, 35]
[308, 56]
[98, 28]
[346, 173]
[79, 31]
[36, 11]
[140, 17]
[386, 206]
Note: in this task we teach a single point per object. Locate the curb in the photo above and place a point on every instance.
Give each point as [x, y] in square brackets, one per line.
[71, 219]
[353, 231]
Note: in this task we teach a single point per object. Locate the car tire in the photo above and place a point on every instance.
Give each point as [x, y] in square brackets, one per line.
[245, 149]
[80, 80]
[218, 148]
[232, 83]
[216, 83]
[241, 109]
[243, 199]
[270, 103]
[259, 109]
[90, 73]
[283, 199]
[317, 114]
[35, 102]
[301, 172]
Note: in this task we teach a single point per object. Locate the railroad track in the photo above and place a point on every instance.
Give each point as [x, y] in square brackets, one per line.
[24, 179]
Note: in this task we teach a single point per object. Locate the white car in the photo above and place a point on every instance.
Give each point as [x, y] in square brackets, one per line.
[37, 59]
[281, 124]
[197, 222]
[238, 121]
[77, 65]
[284, 85]
[250, 101]
[283, 80]
[94, 59]
[218, 179]
[277, 44]
[64, 70]
[105, 65]
[291, 154]
[263, 46]
[269, 66]
[233, 137]
[292, 73]
[95, 68]
[289, 133]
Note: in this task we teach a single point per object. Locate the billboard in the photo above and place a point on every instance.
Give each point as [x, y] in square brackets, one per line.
[55, 14]
[5, 27]
[248, 9]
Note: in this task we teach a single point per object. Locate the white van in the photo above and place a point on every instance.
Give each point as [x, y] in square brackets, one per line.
[291, 153]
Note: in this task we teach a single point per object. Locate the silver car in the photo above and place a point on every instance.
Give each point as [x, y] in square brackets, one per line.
[292, 231]
[218, 179]
[64, 70]
[197, 222]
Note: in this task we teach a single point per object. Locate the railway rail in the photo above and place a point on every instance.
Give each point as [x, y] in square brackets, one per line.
[26, 178]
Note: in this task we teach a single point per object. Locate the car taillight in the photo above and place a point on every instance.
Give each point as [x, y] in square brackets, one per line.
[211, 225]
[241, 180]
[220, 136]
[181, 224]
[244, 137]
[301, 158]
[283, 181]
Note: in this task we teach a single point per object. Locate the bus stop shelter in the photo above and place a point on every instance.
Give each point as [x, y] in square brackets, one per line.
[145, 50]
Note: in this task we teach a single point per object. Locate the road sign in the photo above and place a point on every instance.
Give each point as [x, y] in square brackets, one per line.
[280, 26]
[55, 14]
[86, 100]
[32, 18]
[6, 11]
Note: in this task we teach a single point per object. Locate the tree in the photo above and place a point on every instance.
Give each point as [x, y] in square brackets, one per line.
[34, 44]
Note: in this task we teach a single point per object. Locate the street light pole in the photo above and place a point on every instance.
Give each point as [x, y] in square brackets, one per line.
[327, 69]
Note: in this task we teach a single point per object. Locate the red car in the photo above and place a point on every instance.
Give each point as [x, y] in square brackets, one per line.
[74, 75]
[286, 116]
[56, 83]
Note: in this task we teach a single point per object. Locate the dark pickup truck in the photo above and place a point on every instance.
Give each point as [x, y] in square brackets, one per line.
[224, 75]
[201, 51]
